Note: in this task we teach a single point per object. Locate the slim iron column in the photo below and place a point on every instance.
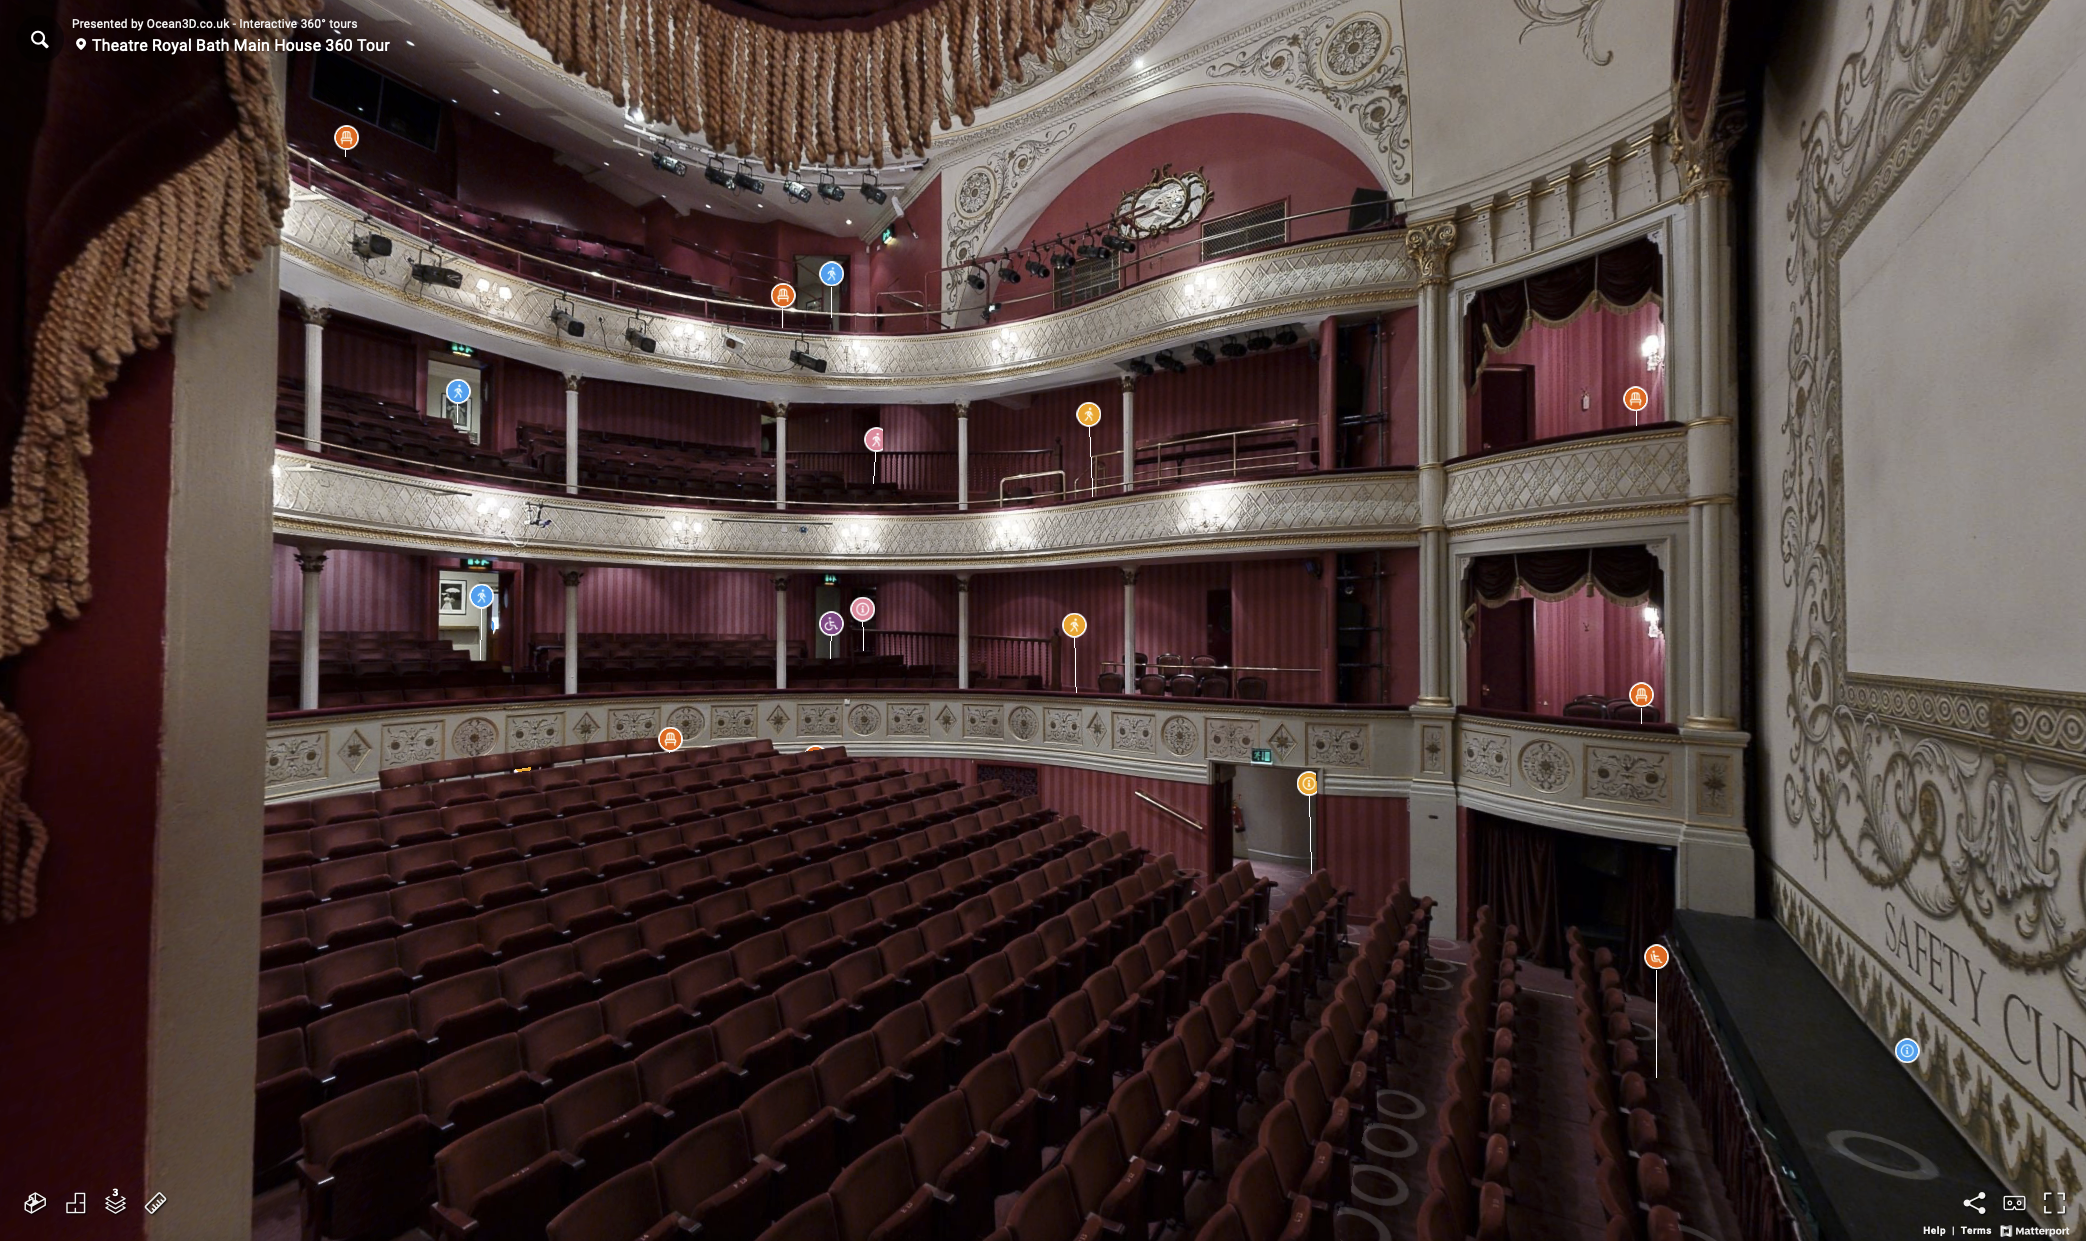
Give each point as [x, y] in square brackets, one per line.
[1129, 629]
[572, 577]
[313, 562]
[315, 317]
[963, 631]
[963, 458]
[572, 383]
[781, 456]
[1129, 432]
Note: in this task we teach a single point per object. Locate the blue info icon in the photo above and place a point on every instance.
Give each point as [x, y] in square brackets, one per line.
[481, 596]
[1906, 1051]
[831, 273]
[458, 391]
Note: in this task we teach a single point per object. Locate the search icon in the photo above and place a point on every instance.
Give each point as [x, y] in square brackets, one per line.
[36, 37]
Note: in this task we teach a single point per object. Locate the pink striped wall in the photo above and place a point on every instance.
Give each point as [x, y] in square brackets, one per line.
[1280, 618]
[644, 599]
[1172, 610]
[1402, 602]
[358, 590]
[1587, 645]
[1597, 355]
[359, 357]
[1366, 843]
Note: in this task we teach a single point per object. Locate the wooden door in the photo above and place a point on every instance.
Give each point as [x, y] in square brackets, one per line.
[1506, 407]
[1505, 650]
[1216, 828]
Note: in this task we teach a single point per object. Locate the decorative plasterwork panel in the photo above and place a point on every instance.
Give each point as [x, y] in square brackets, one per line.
[1628, 776]
[778, 718]
[630, 723]
[540, 731]
[1961, 804]
[1133, 732]
[688, 719]
[1352, 61]
[982, 721]
[1547, 766]
[367, 506]
[864, 719]
[419, 741]
[1021, 723]
[1365, 270]
[1178, 734]
[1624, 473]
[908, 719]
[1337, 745]
[1230, 741]
[298, 757]
[1580, 14]
[731, 723]
[586, 727]
[355, 750]
[984, 192]
[474, 737]
[820, 720]
[1433, 744]
[1485, 756]
[1061, 726]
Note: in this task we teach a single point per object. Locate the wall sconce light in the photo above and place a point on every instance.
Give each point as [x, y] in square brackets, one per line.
[1651, 623]
[1654, 351]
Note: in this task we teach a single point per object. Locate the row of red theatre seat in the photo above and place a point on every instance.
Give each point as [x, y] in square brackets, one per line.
[648, 870]
[935, 1167]
[1631, 1176]
[459, 781]
[636, 925]
[646, 1003]
[1292, 1181]
[1118, 1175]
[763, 1048]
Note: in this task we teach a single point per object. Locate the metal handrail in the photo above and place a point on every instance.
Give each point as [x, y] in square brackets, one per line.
[1254, 458]
[1015, 478]
[1170, 810]
[1194, 669]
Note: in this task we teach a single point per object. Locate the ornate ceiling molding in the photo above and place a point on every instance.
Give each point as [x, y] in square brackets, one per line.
[1625, 474]
[322, 501]
[1361, 272]
[1355, 63]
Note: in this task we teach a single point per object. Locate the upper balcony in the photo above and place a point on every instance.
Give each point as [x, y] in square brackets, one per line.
[702, 337]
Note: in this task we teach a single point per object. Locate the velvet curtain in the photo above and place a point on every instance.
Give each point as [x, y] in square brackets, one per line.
[1627, 575]
[1515, 865]
[1619, 279]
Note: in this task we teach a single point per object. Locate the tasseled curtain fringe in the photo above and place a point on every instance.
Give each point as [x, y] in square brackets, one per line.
[792, 97]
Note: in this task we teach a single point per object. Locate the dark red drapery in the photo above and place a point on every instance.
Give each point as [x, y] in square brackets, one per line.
[1627, 575]
[1619, 278]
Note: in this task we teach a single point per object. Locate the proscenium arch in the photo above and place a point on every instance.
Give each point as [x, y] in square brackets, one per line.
[1119, 129]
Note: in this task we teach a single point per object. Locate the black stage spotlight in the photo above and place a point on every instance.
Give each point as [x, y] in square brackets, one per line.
[1166, 359]
[1259, 341]
[975, 278]
[567, 323]
[1061, 261]
[1231, 348]
[1037, 269]
[797, 189]
[1088, 252]
[1119, 244]
[435, 273]
[372, 246]
[809, 361]
[748, 182]
[635, 334]
[830, 190]
[991, 309]
[667, 163]
[1140, 366]
[1204, 356]
[715, 174]
[1007, 274]
[873, 192]
[1285, 338]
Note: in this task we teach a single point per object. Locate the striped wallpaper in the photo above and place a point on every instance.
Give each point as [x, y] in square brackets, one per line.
[1365, 843]
[357, 590]
[1596, 356]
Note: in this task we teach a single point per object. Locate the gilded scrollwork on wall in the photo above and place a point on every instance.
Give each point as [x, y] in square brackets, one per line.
[1582, 15]
[1355, 63]
[1924, 789]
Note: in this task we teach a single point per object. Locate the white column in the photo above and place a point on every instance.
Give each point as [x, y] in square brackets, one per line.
[572, 383]
[963, 629]
[781, 459]
[1429, 244]
[1129, 629]
[963, 458]
[1129, 432]
[315, 317]
[1699, 339]
[572, 577]
[313, 562]
[781, 628]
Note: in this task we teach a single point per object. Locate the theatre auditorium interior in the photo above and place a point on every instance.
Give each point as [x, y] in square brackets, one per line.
[1043, 620]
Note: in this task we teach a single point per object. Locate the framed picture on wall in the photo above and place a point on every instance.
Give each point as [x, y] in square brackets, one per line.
[449, 597]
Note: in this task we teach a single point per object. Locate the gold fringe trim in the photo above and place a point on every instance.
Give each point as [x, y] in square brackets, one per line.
[187, 238]
[794, 97]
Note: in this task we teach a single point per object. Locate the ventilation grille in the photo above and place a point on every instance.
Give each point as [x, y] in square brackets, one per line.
[1261, 228]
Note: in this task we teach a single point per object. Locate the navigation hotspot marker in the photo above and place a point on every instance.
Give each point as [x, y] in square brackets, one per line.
[669, 739]
[1089, 414]
[831, 273]
[481, 596]
[1307, 783]
[458, 391]
[1635, 399]
[863, 609]
[784, 295]
[347, 137]
[1073, 626]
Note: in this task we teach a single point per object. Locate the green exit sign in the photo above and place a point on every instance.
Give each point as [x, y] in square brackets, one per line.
[462, 351]
[477, 562]
[832, 579]
[1265, 758]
